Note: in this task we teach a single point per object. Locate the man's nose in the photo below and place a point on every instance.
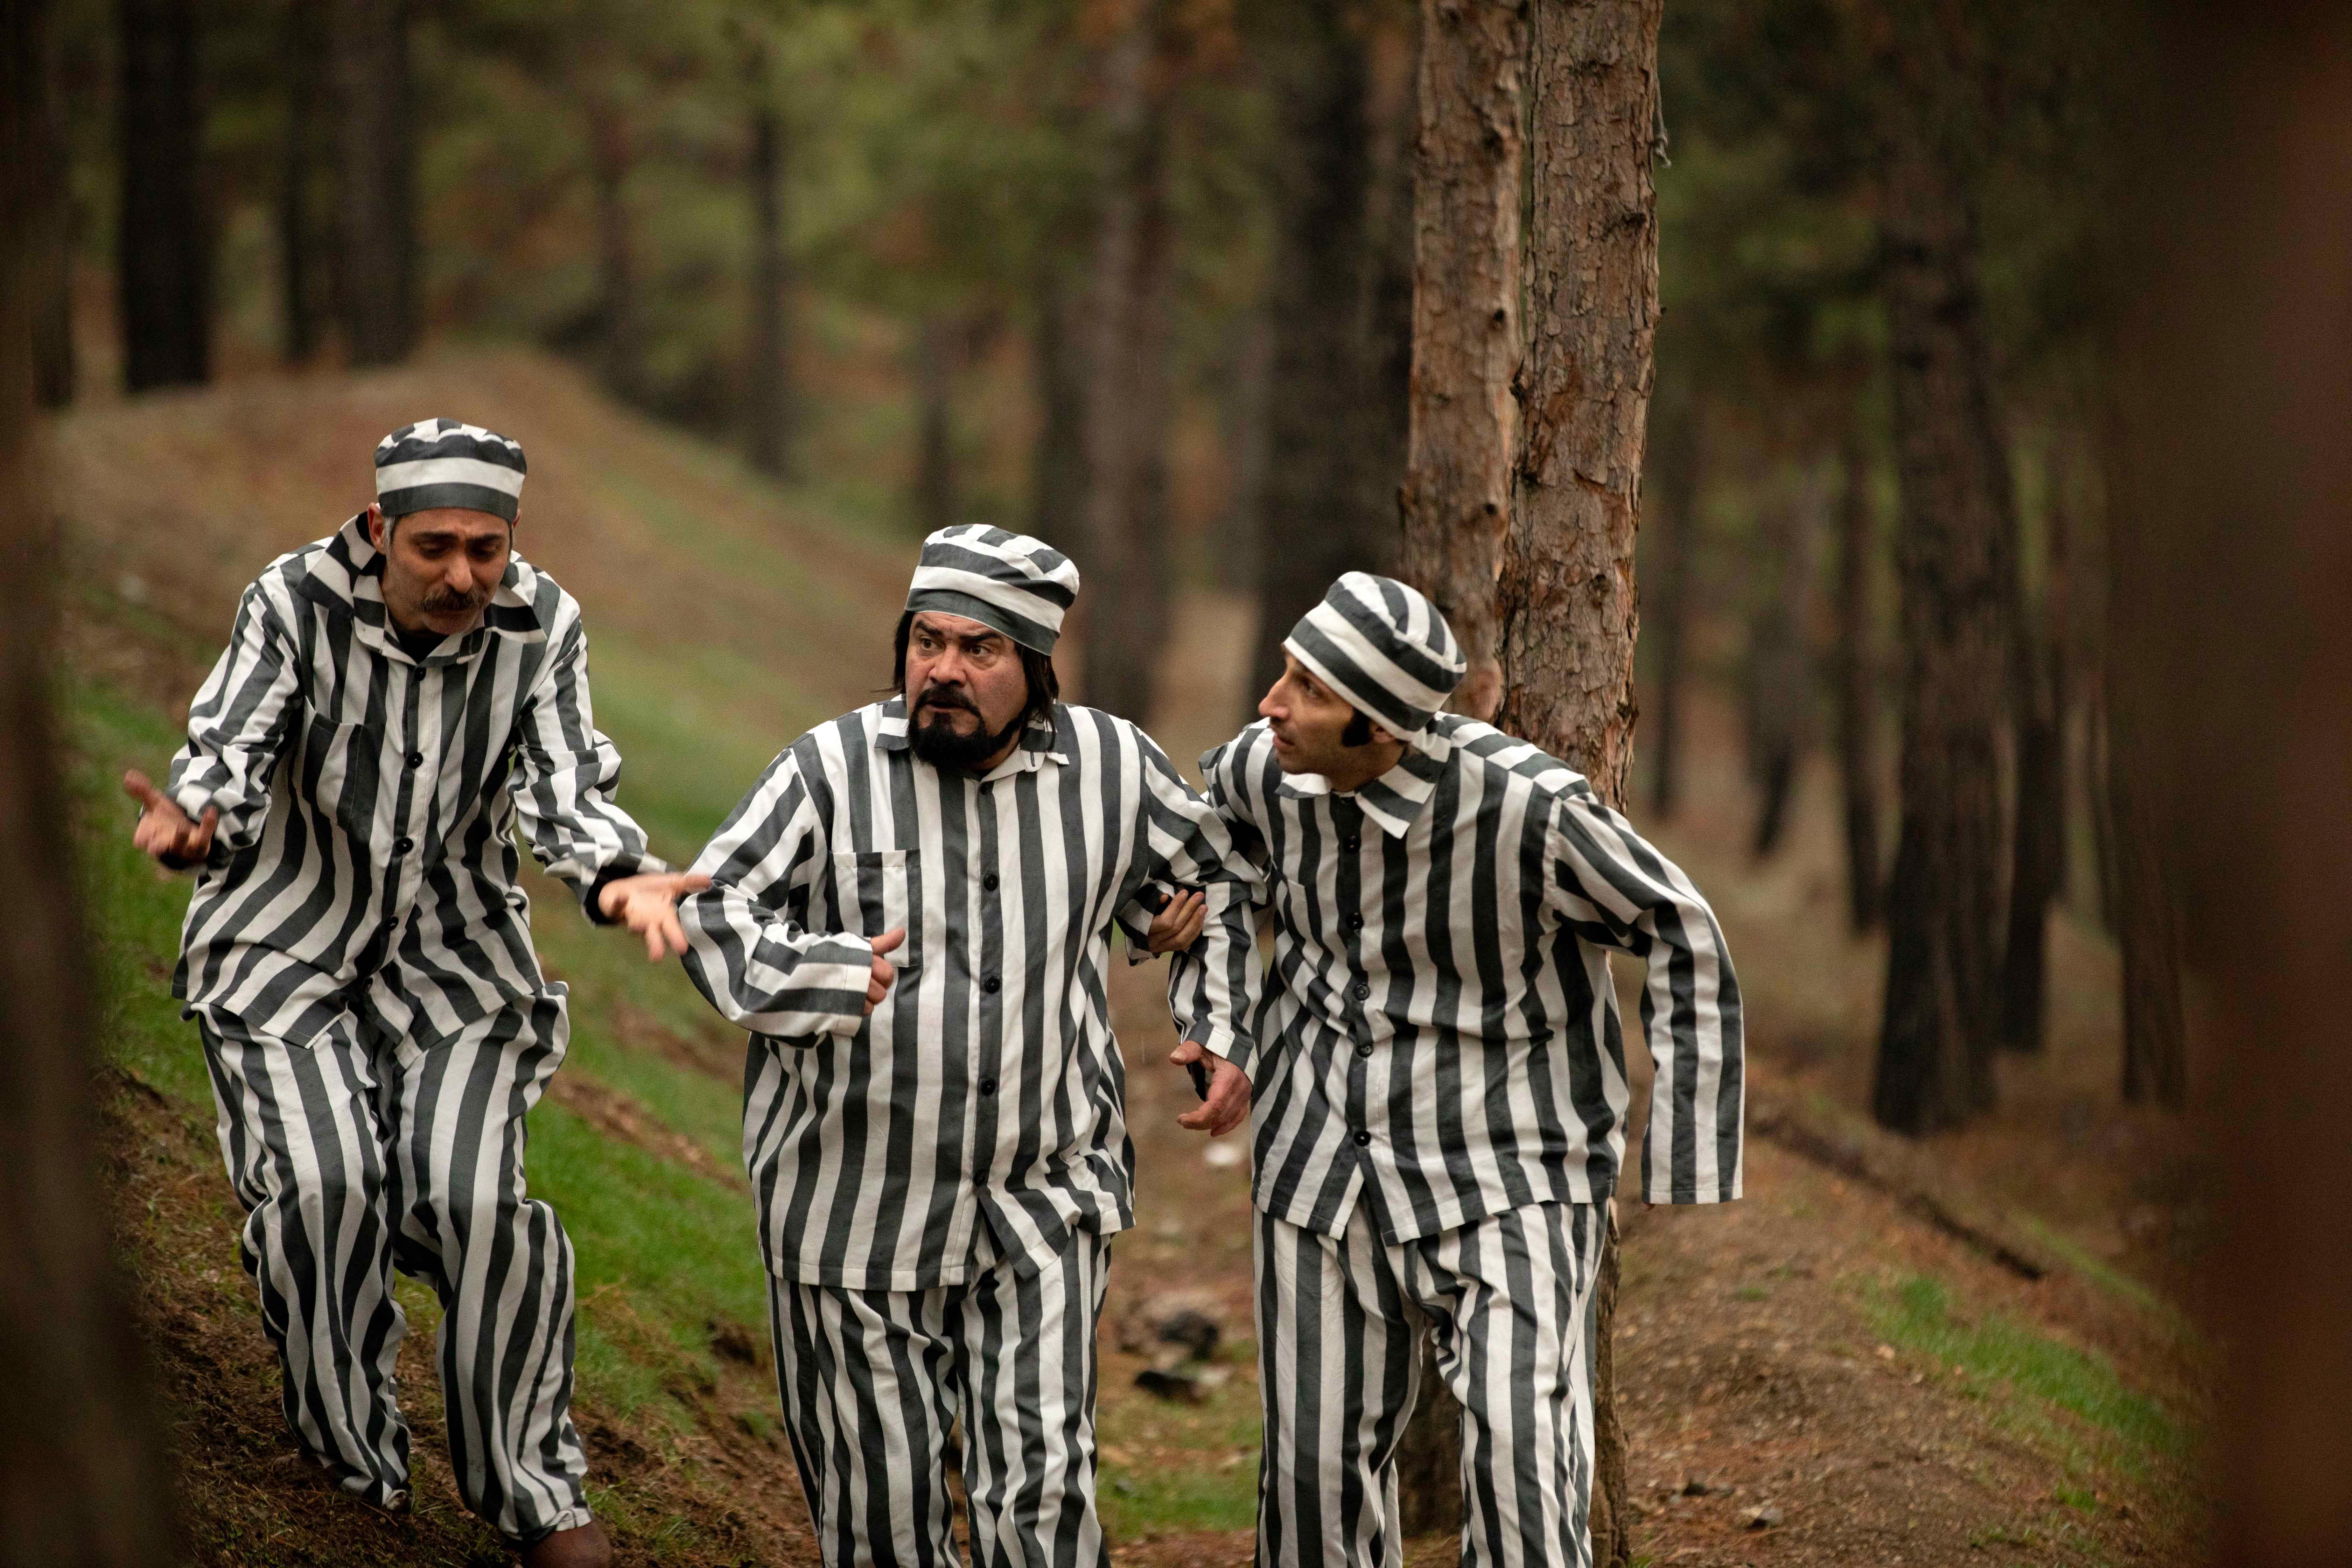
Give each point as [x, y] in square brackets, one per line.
[1268, 708]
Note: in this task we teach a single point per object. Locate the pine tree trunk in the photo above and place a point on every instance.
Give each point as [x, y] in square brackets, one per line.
[1128, 388]
[82, 1479]
[768, 390]
[374, 179]
[1311, 58]
[1567, 594]
[1677, 472]
[51, 240]
[1852, 672]
[2038, 836]
[164, 238]
[1457, 496]
[1934, 1055]
[1240, 532]
[1780, 663]
[302, 73]
[935, 475]
[1057, 466]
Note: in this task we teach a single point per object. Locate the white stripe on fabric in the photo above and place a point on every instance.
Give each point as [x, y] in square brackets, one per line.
[448, 471]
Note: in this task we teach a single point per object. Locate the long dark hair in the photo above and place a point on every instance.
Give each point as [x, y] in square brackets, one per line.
[1045, 686]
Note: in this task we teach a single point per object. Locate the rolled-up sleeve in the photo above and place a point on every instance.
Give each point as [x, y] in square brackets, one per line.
[238, 727]
[1617, 891]
[744, 952]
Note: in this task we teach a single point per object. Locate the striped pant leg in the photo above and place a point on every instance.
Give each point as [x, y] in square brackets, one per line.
[866, 1377]
[1507, 1300]
[1337, 1369]
[497, 1258]
[1025, 1343]
[302, 1135]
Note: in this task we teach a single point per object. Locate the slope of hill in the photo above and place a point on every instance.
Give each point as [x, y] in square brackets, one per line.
[1830, 1350]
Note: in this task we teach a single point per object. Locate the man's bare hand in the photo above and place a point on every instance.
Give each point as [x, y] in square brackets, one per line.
[165, 830]
[877, 985]
[647, 905]
[1228, 1104]
[1178, 924]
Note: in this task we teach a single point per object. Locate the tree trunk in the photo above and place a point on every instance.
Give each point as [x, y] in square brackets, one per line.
[2038, 837]
[769, 387]
[82, 1478]
[1127, 389]
[163, 241]
[1311, 58]
[1935, 1053]
[51, 240]
[619, 348]
[302, 71]
[1567, 595]
[1457, 496]
[1852, 671]
[374, 179]
[1780, 663]
[2239, 500]
[1676, 471]
[935, 476]
[1057, 482]
[1240, 532]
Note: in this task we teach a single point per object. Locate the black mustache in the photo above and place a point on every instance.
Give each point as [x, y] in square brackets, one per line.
[441, 601]
[948, 696]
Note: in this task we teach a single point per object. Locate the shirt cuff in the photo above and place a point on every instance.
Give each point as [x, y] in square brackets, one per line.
[592, 899]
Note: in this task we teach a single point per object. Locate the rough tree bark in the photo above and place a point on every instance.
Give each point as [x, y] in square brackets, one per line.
[1936, 1042]
[164, 249]
[1566, 596]
[1311, 56]
[1780, 659]
[375, 178]
[82, 1479]
[768, 387]
[1676, 477]
[1127, 389]
[935, 475]
[302, 276]
[1455, 500]
[2037, 835]
[2239, 504]
[1852, 672]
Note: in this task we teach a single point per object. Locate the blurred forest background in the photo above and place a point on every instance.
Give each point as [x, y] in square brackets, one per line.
[1137, 276]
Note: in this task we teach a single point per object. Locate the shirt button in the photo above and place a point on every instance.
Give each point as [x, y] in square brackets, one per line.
[1364, 1050]
[416, 759]
[988, 1086]
[1355, 923]
[403, 847]
[1362, 1138]
[1361, 992]
[1351, 842]
[991, 984]
[988, 882]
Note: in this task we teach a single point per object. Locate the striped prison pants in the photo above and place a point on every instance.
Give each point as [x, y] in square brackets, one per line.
[361, 1153]
[873, 1380]
[1506, 1300]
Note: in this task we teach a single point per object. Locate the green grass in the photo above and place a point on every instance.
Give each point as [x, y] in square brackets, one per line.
[2037, 1369]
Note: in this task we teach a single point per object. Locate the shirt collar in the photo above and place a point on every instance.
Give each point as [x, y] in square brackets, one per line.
[347, 577]
[1040, 742]
[1396, 799]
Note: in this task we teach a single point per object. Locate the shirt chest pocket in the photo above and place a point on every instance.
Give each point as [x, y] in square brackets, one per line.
[341, 776]
[881, 890]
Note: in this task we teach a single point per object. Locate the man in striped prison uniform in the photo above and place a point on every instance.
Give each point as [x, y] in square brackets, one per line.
[1439, 1082]
[394, 701]
[910, 913]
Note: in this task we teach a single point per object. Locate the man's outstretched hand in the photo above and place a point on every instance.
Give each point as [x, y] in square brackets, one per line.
[1178, 924]
[1228, 1104]
[647, 905]
[878, 984]
[165, 830]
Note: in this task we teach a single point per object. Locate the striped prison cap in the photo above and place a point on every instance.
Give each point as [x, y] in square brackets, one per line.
[1015, 584]
[442, 462]
[1382, 646]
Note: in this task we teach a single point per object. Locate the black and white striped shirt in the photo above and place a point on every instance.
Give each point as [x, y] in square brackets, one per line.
[368, 800]
[981, 1109]
[1438, 1035]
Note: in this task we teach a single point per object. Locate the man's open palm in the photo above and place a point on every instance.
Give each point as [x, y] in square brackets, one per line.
[647, 905]
[165, 830]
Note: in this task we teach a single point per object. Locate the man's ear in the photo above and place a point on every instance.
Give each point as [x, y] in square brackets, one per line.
[1381, 737]
[375, 524]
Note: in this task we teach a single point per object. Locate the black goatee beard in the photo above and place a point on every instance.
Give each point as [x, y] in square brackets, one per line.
[942, 747]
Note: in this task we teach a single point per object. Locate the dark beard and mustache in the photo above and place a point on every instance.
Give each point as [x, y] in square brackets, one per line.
[442, 601]
[942, 747]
